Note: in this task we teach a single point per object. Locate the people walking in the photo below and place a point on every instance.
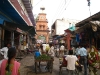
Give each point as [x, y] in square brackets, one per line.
[62, 48]
[77, 49]
[4, 50]
[82, 52]
[71, 60]
[51, 51]
[10, 66]
[47, 48]
[74, 50]
[93, 60]
[57, 51]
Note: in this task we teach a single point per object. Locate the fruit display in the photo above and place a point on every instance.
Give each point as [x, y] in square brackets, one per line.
[43, 57]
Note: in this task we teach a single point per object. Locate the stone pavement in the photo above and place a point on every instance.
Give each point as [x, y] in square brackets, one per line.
[27, 67]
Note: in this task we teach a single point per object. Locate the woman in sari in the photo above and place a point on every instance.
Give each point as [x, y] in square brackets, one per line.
[93, 60]
[10, 66]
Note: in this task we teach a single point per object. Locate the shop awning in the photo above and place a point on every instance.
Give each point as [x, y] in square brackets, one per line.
[1, 21]
[27, 29]
[8, 13]
[58, 37]
[95, 17]
[72, 28]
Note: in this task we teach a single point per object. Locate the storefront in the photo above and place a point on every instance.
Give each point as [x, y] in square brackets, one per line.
[88, 36]
[11, 18]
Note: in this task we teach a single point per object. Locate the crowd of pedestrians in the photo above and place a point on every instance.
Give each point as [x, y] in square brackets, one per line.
[85, 57]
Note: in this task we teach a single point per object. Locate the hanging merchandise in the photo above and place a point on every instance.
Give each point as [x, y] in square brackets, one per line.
[88, 2]
[94, 28]
[77, 38]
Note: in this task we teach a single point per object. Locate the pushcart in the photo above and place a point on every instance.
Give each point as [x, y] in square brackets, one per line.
[49, 65]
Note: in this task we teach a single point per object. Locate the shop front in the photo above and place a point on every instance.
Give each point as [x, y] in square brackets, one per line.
[11, 18]
[87, 36]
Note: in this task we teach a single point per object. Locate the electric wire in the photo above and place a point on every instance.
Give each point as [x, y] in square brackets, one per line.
[57, 15]
[65, 8]
[60, 10]
[59, 7]
[90, 10]
[37, 3]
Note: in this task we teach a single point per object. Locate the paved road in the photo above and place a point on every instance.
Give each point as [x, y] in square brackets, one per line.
[27, 67]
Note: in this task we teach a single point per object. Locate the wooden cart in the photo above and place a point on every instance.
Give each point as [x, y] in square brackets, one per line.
[49, 65]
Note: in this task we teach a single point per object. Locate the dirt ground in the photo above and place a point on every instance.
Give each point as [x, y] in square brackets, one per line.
[27, 66]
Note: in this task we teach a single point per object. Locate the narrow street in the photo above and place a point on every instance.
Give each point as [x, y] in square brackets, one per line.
[27, 67]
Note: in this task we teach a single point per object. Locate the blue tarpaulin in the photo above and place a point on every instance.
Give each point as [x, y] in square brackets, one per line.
[72, 28]
[77, 38]
[1, 21]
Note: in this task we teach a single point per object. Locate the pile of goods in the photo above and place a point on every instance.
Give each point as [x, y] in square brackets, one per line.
[43, 57]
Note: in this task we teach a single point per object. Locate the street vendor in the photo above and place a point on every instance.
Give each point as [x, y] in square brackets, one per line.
[93, 60]
[37, 53]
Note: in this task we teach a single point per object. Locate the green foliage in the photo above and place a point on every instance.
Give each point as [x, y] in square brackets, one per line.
[43, 57]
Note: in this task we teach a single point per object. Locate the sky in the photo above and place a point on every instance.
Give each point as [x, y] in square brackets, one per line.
[71, 9]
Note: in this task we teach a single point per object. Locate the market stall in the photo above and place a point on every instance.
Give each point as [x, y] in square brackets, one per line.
[43, 58]
[89, 34]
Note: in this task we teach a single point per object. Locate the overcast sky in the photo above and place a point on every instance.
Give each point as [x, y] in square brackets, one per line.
[72, 9]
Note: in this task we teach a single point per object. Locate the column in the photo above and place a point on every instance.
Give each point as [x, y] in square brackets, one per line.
[12, 38]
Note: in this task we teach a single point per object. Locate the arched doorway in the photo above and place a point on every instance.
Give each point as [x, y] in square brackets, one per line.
[41, 39]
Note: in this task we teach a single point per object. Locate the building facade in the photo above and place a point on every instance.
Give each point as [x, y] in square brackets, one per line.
[58, 30]
[42, 30]
[60, 25]
[16, 21]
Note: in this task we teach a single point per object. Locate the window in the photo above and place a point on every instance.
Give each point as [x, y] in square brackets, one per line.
[40, 27]
[43, 27]
[42, 17]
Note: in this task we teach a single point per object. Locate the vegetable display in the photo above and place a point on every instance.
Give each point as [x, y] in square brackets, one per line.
[43, 57]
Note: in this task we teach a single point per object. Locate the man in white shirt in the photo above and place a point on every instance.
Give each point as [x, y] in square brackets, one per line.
[62, 48]
[71, 60]
[4, 51]
[57, 51]
[51, 51]
[44, 47]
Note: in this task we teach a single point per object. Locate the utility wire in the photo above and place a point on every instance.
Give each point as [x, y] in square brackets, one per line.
[89, 6]
[65, 8]
[61, 9]
[63, 4]
[90, 10]
[37, 3]
[58, 9]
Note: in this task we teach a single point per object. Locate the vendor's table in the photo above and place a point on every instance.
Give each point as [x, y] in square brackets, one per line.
[49, 65]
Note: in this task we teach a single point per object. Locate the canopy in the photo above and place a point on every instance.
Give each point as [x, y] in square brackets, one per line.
[8, 13]
[29, 29]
